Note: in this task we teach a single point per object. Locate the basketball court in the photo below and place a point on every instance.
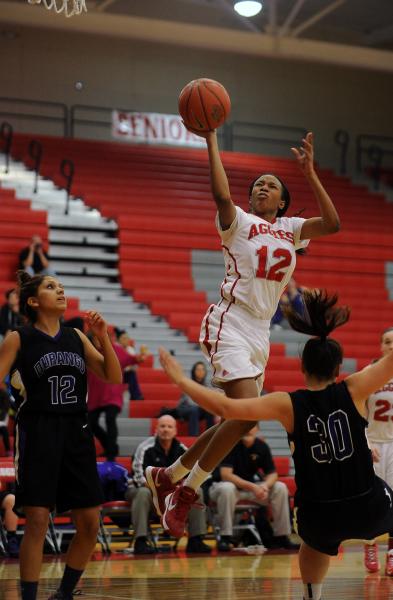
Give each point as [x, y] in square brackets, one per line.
[272, 576]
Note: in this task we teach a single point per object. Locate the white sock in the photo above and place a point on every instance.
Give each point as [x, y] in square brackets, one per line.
[177, 471]
[312, 591]
[196, 477]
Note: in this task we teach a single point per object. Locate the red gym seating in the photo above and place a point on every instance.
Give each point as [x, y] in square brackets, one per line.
[162, 202]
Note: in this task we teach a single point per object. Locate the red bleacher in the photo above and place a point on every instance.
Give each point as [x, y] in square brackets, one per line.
[162, 202]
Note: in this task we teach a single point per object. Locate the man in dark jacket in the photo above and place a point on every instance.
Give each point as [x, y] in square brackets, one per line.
[160, 450]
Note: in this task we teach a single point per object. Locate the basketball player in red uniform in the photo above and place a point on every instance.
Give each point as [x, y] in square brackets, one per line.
[259, 250]
[338, 494]
[380, 437]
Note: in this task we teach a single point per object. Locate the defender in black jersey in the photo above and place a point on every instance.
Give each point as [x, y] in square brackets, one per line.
[55, 460]
[336, 482]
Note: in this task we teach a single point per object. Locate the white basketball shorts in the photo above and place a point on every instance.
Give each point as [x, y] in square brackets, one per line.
[384, 467]
[235, 342]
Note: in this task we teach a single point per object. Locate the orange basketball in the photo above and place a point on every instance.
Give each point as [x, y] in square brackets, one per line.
[204, 104]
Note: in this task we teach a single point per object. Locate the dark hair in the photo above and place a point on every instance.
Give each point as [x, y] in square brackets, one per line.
[9, 292]
[119, 332]
[322, 355]
[386, 331]
[194, 368]
[285, 195]
[27, 287]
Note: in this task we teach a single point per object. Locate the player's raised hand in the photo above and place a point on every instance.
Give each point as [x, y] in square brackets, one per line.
[305, 155]
[202, 134]
[96, 323]
[170, 365]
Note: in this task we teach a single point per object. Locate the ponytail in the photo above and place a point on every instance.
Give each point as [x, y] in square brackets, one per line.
[322, 355]
[27, 287]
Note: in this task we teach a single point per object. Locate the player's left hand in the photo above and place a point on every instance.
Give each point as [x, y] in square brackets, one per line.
[305, 155]
[96, 323]
[170, 365]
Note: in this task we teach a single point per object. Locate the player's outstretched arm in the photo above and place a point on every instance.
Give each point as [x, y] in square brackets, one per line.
[364, 383]
[105, 365]
[218, 179]
[329, 221]
[276, 406]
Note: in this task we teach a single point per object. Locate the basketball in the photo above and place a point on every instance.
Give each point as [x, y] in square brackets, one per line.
[204, 104]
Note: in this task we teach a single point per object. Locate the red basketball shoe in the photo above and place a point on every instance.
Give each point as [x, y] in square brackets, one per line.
[389, 564]
[178, 505]
[371, 561]
[160, 486]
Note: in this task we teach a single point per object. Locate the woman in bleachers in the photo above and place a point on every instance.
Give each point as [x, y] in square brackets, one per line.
[188, 410]
[107, 399]
[338, 496]
[260, 255]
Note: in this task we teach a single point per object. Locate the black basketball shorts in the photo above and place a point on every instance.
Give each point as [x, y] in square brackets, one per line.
[325, 525]
[55, 462]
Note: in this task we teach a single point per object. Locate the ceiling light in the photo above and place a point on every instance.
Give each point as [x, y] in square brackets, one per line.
[248, 8]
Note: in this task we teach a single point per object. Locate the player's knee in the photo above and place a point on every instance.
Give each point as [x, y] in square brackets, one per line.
[37, 524]
[8, 502]
[88, 526]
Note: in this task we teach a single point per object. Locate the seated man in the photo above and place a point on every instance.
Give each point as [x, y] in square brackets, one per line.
[33, 259]
[10, 520]
[240, 478]
[160, 450]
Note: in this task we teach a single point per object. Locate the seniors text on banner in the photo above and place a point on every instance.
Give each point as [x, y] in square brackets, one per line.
[153, 128]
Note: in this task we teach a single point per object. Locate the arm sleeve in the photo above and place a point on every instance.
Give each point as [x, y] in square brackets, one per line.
[226, 234]
[296, 226]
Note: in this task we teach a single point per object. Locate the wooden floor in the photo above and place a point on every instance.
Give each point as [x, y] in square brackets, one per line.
[272, 576]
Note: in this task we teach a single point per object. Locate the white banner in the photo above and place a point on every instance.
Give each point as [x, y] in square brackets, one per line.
[153, 128]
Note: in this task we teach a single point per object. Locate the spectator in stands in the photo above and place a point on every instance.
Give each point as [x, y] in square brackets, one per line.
[106, 398]
[248, 472]
[34, 259]
[4, 408]
[130, 372]
[10, 520]
[10, 318]
[292, 297]
[160, 451]
[188, 410]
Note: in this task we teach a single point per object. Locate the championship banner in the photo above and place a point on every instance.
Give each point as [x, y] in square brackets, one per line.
[153, 128]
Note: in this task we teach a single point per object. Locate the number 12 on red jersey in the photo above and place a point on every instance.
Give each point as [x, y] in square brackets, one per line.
[276, 272]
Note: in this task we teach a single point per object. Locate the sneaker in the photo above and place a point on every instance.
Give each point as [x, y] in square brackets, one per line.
[371, 561]
[225, 544]
[160, 486]
[142, 546]
[13, 547]
[177, 507]
[59, 595]
[196, 545]
[389, 564]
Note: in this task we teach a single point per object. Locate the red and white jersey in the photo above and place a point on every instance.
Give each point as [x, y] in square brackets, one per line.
[380, 414]
[259, 260]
